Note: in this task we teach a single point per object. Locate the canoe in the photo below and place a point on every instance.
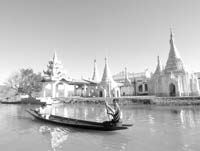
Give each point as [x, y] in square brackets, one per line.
[23, 102]
[77, 123]
[10, 102]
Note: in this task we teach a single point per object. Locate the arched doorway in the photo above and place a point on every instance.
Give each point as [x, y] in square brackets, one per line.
[100, 94]
[140, 88]
[60, 89]
[172, 90]
[146, 87]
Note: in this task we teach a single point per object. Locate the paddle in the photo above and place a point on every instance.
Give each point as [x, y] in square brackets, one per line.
[107, 109]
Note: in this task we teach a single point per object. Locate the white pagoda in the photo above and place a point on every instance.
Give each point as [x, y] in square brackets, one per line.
[173, 80]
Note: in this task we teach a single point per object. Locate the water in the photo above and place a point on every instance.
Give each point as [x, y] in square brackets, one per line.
[155, 129]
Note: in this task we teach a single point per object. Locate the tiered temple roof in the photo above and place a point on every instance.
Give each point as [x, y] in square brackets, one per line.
[54, 69]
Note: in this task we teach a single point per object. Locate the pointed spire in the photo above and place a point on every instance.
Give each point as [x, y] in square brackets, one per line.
[106, 74]
[159, 66]
[55, 68]
[107, 77]
[174, 61]
[55, 59]
[174, 52]
[106, 61]
[95, 76]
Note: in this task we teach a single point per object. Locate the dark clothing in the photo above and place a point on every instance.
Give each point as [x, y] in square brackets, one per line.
[111, 124]
[115, 121]
[116, 116]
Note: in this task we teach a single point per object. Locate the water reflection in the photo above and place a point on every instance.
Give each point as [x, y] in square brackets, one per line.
[151, 119]
[56, 135]
[189, 118]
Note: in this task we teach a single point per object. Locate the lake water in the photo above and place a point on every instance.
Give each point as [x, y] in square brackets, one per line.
[155, 129]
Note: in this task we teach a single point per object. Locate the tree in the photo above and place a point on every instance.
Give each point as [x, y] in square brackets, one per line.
[25, 81]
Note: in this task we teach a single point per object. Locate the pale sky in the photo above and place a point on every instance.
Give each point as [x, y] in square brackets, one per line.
[131, 33]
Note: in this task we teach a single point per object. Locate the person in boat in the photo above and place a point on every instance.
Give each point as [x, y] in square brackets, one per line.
[41, 110]
[44, 111]
[48, 111]
[115, 113]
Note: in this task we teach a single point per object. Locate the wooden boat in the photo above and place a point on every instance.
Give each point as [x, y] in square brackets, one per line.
[10, 102]
[77, 123]
[23, 102]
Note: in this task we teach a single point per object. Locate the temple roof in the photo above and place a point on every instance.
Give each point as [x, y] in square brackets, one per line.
[91, 82]
[49, 80]
[174, 62]
[78, 82]
[159, 66]
[107, 77]
[95, 76]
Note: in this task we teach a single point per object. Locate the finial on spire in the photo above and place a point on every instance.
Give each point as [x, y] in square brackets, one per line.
[105, 60]
[125, 72]
[55, 56]
[158, 59]
[171, 33]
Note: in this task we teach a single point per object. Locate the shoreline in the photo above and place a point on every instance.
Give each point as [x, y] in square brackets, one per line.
[126, 100]
[146, 100]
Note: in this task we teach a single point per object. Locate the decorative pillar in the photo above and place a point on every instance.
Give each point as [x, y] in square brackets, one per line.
[65, 90]
[109, 89]
[44, 90]
[84, 90]
[143, 87]
[53, 90]
[104, 93]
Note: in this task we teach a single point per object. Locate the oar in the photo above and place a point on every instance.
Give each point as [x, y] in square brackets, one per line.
[107, 110]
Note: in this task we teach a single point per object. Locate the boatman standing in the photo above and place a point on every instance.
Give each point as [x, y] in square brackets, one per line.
[115, 113]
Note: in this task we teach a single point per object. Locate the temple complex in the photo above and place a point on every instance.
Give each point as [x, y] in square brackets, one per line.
[57, 84]
[173, 80]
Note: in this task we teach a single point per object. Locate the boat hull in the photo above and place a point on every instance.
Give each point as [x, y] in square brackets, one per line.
[77, 123]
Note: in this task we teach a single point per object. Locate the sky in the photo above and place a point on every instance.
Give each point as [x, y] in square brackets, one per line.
[131, 33]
